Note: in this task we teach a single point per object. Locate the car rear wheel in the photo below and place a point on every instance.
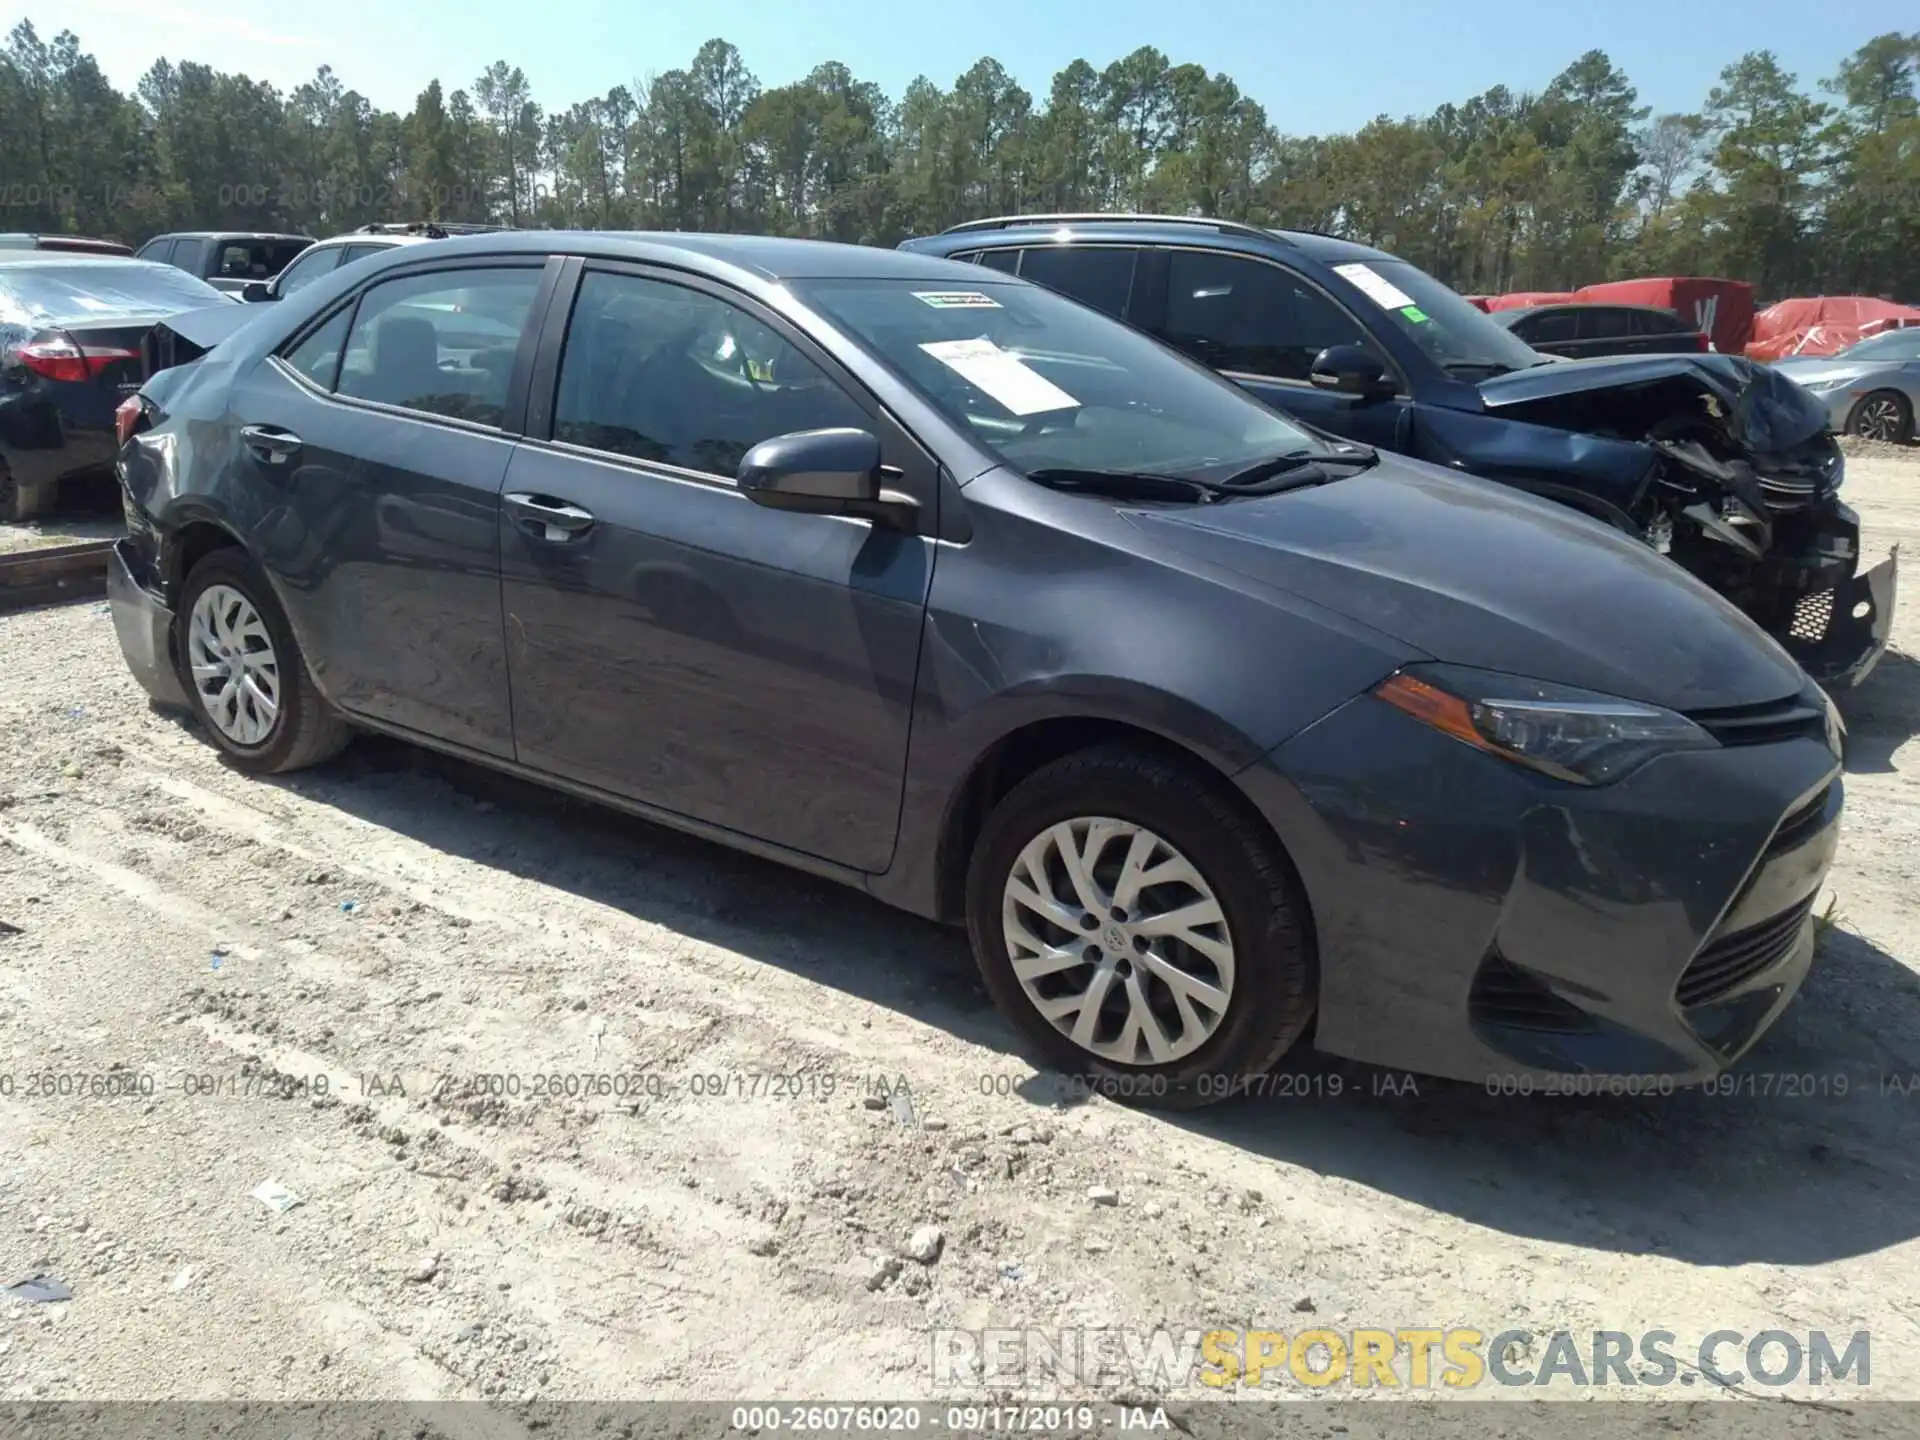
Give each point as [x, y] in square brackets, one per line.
[1140, 929]
[244, 673]
[1883, 415]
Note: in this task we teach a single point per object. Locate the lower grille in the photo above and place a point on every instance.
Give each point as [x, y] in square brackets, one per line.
[1812, 614]
[1504, 994]
[1730, 962]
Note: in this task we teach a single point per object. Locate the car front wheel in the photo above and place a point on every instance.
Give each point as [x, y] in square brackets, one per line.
[1140, 929]
[1883, 415]
[244, 673]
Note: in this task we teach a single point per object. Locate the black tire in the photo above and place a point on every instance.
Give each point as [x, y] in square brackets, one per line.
[1880, 400]
[306, 730]
[1276, 975]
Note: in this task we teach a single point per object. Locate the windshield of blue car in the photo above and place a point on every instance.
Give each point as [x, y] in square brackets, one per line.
[91, 290]
[1893, 345]
[1460, 338]
[1046, 384]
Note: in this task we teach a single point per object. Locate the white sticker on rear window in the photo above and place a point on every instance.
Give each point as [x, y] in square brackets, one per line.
[1375, 286]
[1003, 376]
[956, 299]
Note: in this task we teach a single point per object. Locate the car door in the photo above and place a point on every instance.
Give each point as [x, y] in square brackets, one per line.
[376, 441]
[1261, 325]
[670, 641]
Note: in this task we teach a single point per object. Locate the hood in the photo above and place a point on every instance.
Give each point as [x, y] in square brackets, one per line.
[1474, 573]
[1808, 370]
[1765, 410]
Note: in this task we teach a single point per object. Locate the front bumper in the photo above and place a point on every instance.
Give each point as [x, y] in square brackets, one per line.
[1480, 923]
[144, 626]
[1834, 644]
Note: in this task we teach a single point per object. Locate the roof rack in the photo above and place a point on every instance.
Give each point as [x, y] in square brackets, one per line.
[432, 229]
[1008, 222]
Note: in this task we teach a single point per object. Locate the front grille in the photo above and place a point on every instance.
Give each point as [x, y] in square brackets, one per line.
[1504, 994]
[1730, 962]
[1812, 614]
[1795, 717]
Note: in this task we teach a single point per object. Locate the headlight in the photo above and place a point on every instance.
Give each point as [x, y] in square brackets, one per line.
[1826, 383]
[1570, 734]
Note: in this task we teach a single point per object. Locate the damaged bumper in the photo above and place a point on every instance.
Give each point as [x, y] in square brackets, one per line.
[1839, 635]
[144, 626]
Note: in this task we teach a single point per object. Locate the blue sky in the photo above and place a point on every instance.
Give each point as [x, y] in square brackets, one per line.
[1317, 67]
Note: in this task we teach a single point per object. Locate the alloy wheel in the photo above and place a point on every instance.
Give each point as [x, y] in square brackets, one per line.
[1118, 941]
[235, 671]
[1878, 418]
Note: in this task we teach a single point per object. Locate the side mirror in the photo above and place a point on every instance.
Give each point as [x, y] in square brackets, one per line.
[824, 472]
[1351, 370]
[257, 290]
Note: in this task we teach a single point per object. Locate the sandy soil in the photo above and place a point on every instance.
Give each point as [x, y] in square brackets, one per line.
[709, 1195]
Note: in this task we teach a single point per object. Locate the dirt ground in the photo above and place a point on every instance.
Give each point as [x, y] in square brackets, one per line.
[683, 1178]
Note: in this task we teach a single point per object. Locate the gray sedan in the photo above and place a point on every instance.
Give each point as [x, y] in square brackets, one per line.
[1870, 389]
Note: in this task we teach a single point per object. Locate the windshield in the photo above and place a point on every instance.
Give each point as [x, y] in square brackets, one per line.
[1461, 338]
[1893, 345]
[1046, 384]
[92, 289]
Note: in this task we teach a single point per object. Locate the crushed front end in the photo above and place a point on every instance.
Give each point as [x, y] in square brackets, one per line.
[1742, 489]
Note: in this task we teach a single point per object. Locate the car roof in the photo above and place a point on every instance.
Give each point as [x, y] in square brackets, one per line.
[1019, 230]
[766, 257]
[229, 235]
[1516, 312]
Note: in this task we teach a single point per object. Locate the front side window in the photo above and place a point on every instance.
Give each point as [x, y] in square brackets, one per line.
[1890, 345]
[159, 251]
[318, 356]
[1236, 313]
[677, 376]
[421, 341]
[1096, 275]
[1605, 322]
[1043, 383]
[1547, 326]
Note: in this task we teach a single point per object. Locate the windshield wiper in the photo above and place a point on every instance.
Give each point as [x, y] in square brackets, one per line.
[1128, 485]
[1300, 468]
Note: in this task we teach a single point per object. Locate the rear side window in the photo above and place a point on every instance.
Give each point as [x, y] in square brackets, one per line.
[442, 342]
[1234, 313]
[1655, 322]
[240, 258]
[1096, 275]
[1549, 325]
[1007, 260]
[1605, 322]
[681, 377]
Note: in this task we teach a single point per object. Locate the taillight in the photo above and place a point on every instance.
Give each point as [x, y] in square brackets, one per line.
[61, 357]
[56, 357]
[127, 416]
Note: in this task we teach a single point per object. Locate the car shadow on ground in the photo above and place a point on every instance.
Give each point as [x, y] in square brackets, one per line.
[1882, 714]
[1809, 1152]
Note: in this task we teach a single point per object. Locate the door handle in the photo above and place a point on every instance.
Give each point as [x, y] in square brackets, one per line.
[546, 518]
[272, 445]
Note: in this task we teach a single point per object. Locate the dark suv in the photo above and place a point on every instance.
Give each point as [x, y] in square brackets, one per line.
[227, 259]
[1580, 332]
[1722, 463]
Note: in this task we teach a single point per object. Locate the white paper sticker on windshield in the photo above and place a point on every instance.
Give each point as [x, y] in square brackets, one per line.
[1002, 375]
[956, 299]
[1376, 287]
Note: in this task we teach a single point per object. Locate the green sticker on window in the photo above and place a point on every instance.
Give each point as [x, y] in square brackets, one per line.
[1414, 313]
